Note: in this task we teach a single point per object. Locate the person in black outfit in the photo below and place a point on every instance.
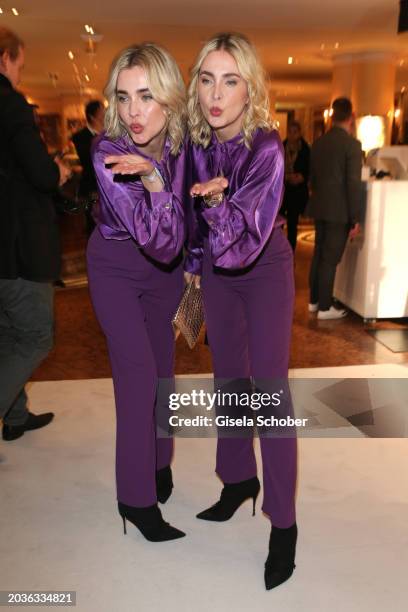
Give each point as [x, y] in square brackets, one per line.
[94, 112]
[29, 244]
[335, 205]
[297, 159]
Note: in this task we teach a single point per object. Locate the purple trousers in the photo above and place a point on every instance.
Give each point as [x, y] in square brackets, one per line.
[134, 300]
[249, 321]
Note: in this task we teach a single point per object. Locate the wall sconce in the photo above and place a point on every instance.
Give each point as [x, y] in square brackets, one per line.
[371, 131]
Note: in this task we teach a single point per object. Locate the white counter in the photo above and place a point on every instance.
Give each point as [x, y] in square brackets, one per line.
[372, 278]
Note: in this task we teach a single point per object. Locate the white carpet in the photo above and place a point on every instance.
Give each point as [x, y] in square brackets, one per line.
[60, 529]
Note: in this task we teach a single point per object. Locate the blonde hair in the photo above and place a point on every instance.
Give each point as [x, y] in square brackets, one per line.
[257, 114]
[165, 83]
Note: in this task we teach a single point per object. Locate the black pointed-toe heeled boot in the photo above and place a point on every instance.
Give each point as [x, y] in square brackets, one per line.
[150, 523]
[232, 496]
[164, 484]
[280, 563]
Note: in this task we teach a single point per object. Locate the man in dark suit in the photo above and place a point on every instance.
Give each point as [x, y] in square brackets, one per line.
[94, 112]
[29, 244]
[297, 161]
[335, 204]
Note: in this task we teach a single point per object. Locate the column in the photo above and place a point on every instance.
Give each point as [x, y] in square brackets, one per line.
[369, 80]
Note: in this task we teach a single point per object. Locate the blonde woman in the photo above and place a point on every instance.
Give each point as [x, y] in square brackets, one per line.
[134, 266]
[238, 247]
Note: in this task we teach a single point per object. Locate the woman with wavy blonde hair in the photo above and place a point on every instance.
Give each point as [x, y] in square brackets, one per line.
[134, 266]
[238, 249]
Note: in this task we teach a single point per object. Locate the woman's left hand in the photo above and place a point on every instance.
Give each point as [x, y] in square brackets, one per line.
[129, 164]
[189, 277]
[213, 187]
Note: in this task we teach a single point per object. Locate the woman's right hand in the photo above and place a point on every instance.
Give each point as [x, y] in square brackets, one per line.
[188, 277]
[129, 164]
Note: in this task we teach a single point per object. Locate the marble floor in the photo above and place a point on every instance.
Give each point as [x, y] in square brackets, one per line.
[59, 528]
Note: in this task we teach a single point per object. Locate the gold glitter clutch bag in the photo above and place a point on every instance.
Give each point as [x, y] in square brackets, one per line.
[189, 316]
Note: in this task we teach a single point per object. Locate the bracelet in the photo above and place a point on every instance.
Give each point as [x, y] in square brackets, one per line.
[155, 174]
[213, 200]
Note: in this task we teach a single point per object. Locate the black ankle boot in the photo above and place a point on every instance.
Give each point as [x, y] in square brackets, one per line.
[164, 484]
[280, 563]
[150, 523]
[232, 496]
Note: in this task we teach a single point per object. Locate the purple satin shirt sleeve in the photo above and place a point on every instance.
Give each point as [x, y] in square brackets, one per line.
[154, 220]
[194, 246]
[193, 261]
[240, 227]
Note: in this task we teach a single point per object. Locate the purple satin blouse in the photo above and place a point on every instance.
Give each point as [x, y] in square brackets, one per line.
[239, 228]
[128, 210]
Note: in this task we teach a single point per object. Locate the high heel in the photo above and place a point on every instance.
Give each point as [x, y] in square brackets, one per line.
[164, 484]
[232, 496]
[280, 563]
[150, 523]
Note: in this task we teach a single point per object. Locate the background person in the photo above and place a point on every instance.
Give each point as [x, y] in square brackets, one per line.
[94, 112]
[335, 204]
[296, 195]
[29, 244]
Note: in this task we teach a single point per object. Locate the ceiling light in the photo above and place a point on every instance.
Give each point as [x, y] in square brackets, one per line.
[1, 11]
[14, 11]
[326, 114]
[331, 112]
[403, 89]
[70, 55]
[91, 41]
[87, 28]
[337, 45]
[290, 60]
[87, 78]
[397, 113]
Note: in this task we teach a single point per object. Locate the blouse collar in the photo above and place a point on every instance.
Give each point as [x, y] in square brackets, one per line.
[232, 143]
